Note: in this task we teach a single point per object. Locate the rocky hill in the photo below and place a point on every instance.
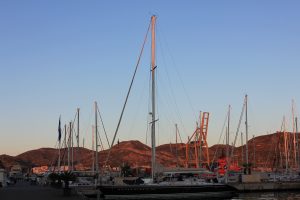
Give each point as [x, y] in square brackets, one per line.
[263, 152]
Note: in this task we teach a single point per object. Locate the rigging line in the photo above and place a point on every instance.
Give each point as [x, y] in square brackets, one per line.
[103, 127]
[56, 144]
[171, 89]
[73, 130]
[64, 150]
[238, 128]
[100, 140]
[70, 139]
[127, 96]
[54, 160]
[69, 136]
[138, 107]
[166, 106]
[171, 96]
[253, 122]
[169, 112]
[180, 78]
[63, 155]
[282, 125]
[222, 131]
[223, 140]
[270, 151]
[178, 133]
[170, 119]
[86, 128]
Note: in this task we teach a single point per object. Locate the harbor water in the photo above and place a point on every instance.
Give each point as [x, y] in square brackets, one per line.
[288, 195]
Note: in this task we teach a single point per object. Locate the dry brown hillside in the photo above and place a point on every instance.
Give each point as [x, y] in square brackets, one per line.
[263, 151]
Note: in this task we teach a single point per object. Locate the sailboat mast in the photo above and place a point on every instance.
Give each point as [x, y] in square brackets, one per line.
[65, 145]
[227, 137]
[72, 144]
[242, 145]
[69, 145]
[286, 150]
[199, 140]
[227, 144]
[93, 148]
[176, 130]
[296, 126]
[246, 123]
[58, 164]
[294, 134]
[96, 137]
[78, 127]
[254, 161]
[78, 157]
[59, 145]
[153, 66]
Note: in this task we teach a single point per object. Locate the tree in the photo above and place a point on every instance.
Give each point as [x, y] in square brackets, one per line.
[126, 170]
[54, 179]
[66, 177]
[247, 168]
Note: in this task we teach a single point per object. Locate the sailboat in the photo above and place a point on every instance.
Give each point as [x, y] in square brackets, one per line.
[176, 187]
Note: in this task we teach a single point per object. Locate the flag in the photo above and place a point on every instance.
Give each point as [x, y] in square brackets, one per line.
[59, 130]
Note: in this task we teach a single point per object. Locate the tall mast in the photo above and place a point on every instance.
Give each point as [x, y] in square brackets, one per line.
[296, 125]
[294, 134]
[199, 136]
[153, 66]
[72, 143]
[227, 155]
[77, 137]
[65, 140]
[285, 146]
[69, 144]
[58, 164]
[227, 144]
[254, 162]
[176, 130]
[246, 123]
[78, 127]
[227, 137]
[93, 148]
[242, 144]
[59, 145]
[96, 137]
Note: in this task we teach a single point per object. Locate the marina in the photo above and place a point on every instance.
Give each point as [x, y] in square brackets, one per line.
[197, 176]
[24, 190]
[136, 133]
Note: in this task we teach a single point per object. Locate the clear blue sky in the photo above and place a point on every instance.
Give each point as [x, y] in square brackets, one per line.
[56, 56]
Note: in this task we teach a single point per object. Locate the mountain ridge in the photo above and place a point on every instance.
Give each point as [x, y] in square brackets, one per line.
[135, 153]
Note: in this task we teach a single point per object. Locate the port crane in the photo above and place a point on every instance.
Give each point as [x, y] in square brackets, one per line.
[197, 143]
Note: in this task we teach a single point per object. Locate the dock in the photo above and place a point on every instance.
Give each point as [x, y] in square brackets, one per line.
[23, 190]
